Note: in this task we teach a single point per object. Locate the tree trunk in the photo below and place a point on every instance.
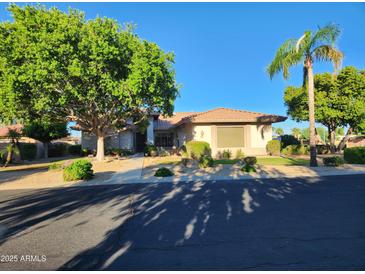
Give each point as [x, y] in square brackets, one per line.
[45, 147]
[100, 146]
[312, 133]
[9, 156]
[332, 139]
[344, 140]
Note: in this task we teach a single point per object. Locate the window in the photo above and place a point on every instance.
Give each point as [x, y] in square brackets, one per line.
[164, 139]
[230, 137]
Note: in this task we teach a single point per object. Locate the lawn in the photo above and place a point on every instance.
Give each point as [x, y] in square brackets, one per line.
[35, 165]
[275, 161]
[281, 161]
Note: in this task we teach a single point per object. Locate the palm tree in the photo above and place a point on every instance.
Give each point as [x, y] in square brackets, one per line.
[311, 47]
[296, 132]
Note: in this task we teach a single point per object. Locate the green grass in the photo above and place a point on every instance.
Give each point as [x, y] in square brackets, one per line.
[275, 161]
[225, 161]
[280, 161]
[36, 165]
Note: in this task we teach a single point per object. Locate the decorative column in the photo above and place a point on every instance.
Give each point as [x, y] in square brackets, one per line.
[150, 132]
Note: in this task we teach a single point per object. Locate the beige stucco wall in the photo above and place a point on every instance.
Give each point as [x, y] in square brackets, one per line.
[256, 138]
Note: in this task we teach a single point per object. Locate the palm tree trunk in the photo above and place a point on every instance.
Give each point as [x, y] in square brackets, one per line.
[9, 157]
[312, 132]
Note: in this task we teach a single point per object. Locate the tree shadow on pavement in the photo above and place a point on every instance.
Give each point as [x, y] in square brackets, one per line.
[201, 225]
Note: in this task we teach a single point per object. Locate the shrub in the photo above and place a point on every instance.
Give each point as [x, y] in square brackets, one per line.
[206, 161]
[196, 149]
[74, 149]
[333, 161]
[226, 154]
[239, 154]
[287, 140]
[248, 168]
[28, 151]
[78, 170]
[273, 147]
[86, 152]
[150, 150]
[250, 160]
[295, 150]
[163, 172]
[354, 155]
[57, 150]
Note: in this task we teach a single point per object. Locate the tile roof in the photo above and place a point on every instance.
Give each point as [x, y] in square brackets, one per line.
[164, 123]
[217, 115]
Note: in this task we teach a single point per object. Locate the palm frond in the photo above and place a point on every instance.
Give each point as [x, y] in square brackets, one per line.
[326, 34]
[285, 57]
[328, 53]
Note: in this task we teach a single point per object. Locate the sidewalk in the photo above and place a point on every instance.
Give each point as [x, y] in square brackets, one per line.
[233, 172]
[131, 170]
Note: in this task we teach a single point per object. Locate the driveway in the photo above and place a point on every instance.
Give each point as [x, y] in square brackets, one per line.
[272, 224]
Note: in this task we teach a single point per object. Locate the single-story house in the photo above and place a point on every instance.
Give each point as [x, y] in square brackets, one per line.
[222, 128]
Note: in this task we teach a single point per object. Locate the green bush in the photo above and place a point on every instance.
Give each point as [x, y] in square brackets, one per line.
[197, 149]
[74, 149]
[239, 154]
[354, 155]
[226, 154]
[287, 140]
[150, 150]
[248, 168]
[57, 150]
[28, 151]
[273, 147]
[295, 150]
[78, 170]
[252, 160]
[163, 172]
[206, 161]
[86, 152]
[333, 161]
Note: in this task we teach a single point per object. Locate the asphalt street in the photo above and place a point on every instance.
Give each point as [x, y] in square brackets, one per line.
[271, 224]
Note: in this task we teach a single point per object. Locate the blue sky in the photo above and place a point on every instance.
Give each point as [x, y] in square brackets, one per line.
[222, 49]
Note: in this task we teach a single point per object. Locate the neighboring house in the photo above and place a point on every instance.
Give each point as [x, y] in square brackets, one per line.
[4, 140]
[356, 141]
[222, 128]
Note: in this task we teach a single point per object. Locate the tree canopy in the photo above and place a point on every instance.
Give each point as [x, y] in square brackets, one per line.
[58, 65]
[340, 100]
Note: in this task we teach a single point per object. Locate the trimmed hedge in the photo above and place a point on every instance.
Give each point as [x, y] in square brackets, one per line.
[57, 150]
[295, 150]
[206, 161]
[28, 151]
[196, 149]
[163, 172]
[74, 149]
[78, 170]
[273, 147]
[354, 155]
[333, 161]
[250, 160]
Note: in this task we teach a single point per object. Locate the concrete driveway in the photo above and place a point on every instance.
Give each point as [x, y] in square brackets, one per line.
[272, 224]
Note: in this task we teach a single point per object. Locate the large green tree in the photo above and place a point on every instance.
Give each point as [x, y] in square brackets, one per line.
[94, 72]
[309, 48]
[339, 102]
